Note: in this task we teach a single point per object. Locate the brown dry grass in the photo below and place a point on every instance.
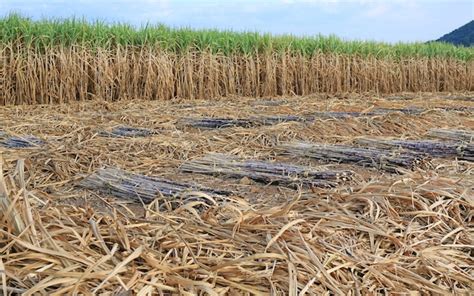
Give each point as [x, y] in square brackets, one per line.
[76, 74]
[380, 233]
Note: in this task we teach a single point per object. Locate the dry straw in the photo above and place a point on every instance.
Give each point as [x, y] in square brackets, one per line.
[381, 233]
[405, 236]
[69, 74]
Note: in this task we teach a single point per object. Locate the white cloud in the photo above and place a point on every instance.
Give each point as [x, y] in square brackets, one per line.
[378, 10]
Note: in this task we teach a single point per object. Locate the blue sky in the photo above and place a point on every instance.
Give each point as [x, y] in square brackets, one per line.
[391, 21]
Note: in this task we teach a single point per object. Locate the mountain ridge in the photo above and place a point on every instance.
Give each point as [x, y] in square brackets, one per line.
[463, 35]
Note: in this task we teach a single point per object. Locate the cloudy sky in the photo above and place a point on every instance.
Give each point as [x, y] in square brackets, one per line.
[384, 20]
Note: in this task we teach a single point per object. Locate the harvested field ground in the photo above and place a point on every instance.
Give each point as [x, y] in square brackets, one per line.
[404, 230]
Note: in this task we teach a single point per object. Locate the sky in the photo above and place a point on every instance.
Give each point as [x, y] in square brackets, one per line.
[389, 20]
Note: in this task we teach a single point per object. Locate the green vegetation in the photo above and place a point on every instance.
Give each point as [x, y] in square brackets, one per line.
[44, 34]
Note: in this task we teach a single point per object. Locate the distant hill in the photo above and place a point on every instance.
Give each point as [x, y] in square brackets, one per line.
[461, 36]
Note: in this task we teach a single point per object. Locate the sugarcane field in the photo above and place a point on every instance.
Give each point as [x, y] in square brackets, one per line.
[143, 170]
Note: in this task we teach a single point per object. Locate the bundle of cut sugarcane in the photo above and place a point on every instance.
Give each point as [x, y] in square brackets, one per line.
[408, 111]
[127, 185]
[459, 98]
[467, 152]
[373, 157]
[459, 109]
[264, 171]
[374, 112]
[128, 132]
[20, 141]
[271, 120]
[454, 135]
[400, 98]
[429, 147]
[211, 123]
